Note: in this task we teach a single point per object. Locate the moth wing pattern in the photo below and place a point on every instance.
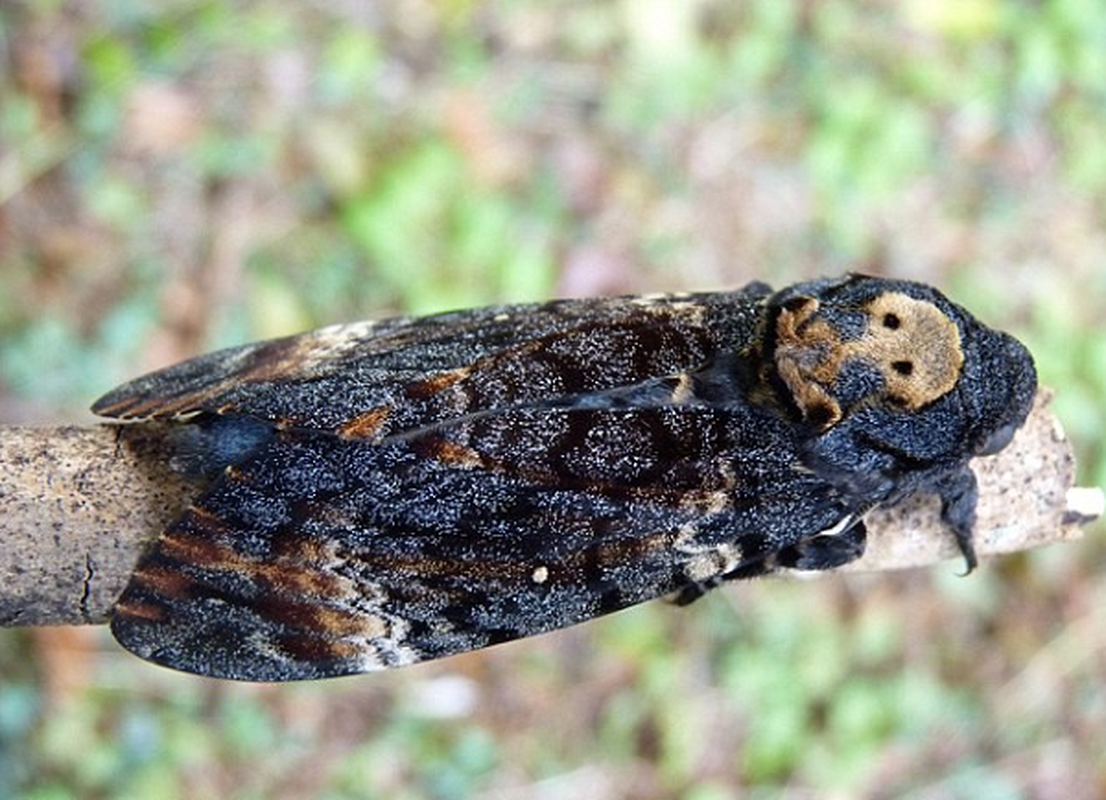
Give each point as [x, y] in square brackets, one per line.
[448, 524]
[382, 494]
[322, 379]
[390, 555]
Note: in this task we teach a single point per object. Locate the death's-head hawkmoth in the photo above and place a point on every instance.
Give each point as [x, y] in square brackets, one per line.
[379, 494]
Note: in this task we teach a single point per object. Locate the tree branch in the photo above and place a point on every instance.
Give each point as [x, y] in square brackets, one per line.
[78, 504]
[1027, 498]
[76, 507]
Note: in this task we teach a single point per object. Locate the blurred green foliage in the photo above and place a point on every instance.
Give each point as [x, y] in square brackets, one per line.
[183, 175]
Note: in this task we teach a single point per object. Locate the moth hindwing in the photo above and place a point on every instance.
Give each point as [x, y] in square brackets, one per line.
[380, 494]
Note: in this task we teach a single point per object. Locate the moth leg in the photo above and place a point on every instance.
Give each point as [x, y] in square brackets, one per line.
[693, 590]
[825, 551]
[959, 493]
[759, 560]
[819, 552]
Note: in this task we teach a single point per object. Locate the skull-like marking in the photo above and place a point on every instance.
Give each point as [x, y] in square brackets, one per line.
[914, 346]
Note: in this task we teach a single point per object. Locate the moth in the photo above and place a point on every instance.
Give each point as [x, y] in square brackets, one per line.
[383, 493]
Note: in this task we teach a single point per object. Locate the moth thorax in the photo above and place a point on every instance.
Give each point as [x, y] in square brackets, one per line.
[905, 355]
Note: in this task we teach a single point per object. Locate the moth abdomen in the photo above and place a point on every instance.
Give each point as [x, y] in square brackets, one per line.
[209, 443]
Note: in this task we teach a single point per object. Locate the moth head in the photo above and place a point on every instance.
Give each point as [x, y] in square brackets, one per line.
[896, 354]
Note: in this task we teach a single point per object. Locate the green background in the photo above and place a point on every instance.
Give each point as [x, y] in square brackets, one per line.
[185, 175]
